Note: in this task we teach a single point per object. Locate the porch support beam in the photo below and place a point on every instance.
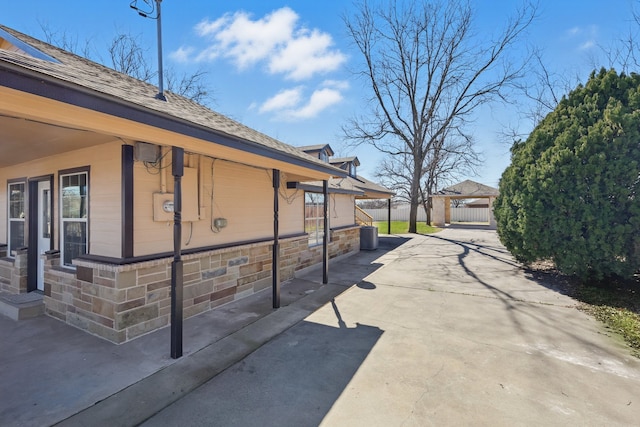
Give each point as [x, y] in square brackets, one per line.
[177, 167]
[127, 201]
[389, 216]
[32, 243]
[275, 262]
[325, 238]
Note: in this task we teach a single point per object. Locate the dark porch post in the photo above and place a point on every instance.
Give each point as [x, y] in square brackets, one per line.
[275, 262]
[325, 238]
[127, 202]
[177, 168]
[389, 216]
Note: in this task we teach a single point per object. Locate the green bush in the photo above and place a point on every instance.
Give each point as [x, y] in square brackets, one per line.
[571, 191]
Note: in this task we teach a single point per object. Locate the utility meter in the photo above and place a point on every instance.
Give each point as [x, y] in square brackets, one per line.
[167, 206]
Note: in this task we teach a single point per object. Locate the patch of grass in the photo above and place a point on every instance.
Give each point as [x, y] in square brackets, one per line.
[617, 306]
[402, 227]
[616, 303]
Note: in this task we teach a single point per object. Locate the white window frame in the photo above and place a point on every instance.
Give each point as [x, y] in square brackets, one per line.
[81, 217]
[15, 219]
[314, 216]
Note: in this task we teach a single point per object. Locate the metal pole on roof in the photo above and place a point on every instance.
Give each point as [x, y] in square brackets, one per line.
[160, 94]
[148, 12]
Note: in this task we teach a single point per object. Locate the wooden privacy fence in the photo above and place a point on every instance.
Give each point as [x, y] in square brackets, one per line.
[457, 214]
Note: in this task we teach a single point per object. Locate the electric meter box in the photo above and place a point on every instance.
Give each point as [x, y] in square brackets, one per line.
[163, 203]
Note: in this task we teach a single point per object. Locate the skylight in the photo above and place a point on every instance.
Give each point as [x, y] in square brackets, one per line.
[13, 44]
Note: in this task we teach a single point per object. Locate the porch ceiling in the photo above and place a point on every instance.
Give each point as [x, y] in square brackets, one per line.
[24, 140]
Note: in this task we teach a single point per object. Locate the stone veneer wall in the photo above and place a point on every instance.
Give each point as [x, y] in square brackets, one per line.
[13, 272]
[122, 302]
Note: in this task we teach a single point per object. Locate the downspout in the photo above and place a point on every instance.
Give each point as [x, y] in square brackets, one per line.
[177, 168]
[163, 173]
[325, 238]
[275, 264]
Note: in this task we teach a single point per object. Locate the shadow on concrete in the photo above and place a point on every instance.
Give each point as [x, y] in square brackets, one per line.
[294, 380]
[469, 226]
[55, 370]
[614, 292]
[353, 269]
[366, 285]
[515, 306]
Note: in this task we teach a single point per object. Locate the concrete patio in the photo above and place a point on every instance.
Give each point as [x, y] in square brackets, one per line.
[444, 329]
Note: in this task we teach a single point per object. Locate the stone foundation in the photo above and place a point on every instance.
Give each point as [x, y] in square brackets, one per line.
[122, 302]
[13, 271]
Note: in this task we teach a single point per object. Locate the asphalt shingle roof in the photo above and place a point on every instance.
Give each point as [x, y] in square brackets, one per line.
[469, 188]
[103, 81]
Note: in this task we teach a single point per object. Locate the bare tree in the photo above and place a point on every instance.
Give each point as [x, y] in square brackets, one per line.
[190, 86]
[128, 56]
[541, 92]
[65, 41]
[450, 158]
[623, 53]
[428, 73]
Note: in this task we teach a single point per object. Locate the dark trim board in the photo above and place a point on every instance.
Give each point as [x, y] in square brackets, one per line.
[153, 257]
[32, 241]
[293, 185]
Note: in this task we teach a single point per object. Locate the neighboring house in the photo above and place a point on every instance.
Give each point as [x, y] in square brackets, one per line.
[88, 162]
[346, 190]
[477, 203]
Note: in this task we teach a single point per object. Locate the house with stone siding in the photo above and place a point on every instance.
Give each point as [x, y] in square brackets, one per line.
[105, 189]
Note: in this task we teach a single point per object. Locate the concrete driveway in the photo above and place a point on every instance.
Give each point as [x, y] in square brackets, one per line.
[448, 331]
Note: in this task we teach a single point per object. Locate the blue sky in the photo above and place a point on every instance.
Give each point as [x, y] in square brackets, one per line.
[283, 67]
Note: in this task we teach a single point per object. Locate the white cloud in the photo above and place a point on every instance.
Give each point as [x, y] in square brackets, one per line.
[289, 105]
[277, 39]
[336, 84]
[305, 55]
[573, 31]
[587, 45]
[320, 100]
[285, 99]
[244, 41]
[585, 36]
[182, 54]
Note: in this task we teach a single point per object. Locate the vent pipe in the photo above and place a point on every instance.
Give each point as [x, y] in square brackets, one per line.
[160, 94]
[154, 12]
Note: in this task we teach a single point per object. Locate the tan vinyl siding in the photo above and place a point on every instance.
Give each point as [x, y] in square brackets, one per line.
[243, 195]
[341, 210]
[104, 192]
[291, 218]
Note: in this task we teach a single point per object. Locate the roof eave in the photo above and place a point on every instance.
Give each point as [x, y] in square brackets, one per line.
[30, 81]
